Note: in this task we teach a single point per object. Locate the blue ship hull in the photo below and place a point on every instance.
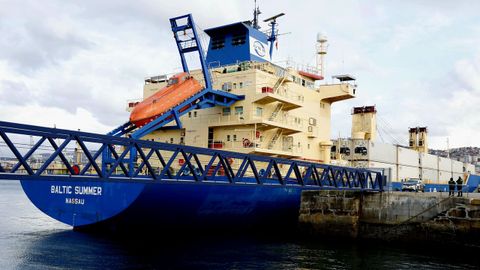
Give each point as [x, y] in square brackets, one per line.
[169, 204]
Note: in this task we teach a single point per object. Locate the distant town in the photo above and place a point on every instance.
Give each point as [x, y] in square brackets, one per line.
[463, 154]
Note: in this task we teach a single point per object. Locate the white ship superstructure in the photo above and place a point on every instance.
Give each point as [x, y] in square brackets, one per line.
[283, 114]
[364, 150]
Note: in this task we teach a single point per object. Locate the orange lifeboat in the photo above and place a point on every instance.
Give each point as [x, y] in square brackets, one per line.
[179, 88]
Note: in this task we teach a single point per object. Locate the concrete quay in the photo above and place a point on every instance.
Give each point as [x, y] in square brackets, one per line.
[392, 216]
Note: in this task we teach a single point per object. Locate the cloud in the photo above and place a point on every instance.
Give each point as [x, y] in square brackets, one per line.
[43, 116]
[91, 55]
[30, 45]
[13, 92]
[417, 29]
[79, 62]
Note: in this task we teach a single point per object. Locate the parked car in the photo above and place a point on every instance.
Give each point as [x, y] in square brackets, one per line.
[413, 185]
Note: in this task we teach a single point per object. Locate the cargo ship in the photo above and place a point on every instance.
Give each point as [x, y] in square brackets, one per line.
[230, 145]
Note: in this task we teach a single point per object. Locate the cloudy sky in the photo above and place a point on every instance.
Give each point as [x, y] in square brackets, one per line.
[74, 64]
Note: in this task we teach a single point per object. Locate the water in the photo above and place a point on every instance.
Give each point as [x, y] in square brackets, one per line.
[31, 240]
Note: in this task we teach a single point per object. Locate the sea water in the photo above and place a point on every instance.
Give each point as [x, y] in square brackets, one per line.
[31, 240]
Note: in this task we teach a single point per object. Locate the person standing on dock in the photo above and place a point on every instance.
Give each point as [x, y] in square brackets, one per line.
[460, 187]
[451, 187]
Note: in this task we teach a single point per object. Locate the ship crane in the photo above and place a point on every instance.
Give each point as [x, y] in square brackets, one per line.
[182, 94]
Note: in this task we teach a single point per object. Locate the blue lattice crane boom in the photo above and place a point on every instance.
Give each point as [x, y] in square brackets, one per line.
[187, 40]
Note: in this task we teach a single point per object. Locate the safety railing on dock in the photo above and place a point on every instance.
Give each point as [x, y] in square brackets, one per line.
[157, 161]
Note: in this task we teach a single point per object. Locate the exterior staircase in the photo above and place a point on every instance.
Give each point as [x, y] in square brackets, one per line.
[274, 138]
[278, 83]
[275, 112]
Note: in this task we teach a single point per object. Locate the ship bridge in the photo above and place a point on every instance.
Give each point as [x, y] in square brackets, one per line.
[237, 42]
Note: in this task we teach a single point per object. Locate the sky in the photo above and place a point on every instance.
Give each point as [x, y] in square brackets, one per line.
[75, 64]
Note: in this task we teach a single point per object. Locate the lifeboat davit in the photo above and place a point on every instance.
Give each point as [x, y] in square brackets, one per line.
[179, 88]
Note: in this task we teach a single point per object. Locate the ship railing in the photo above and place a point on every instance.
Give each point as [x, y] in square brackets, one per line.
[282, 119]
[248, 144]
[267, 67]
[289, 63]
[163, 162]
[283, 91]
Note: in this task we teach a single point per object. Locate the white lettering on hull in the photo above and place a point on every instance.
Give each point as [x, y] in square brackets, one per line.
[61, 189]
[77, 190]
[74, 201]
[96, 191]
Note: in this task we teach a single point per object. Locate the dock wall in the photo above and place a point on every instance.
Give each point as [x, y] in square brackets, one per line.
[391, 216]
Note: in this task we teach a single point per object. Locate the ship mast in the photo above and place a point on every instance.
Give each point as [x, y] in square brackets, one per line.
[256, 13]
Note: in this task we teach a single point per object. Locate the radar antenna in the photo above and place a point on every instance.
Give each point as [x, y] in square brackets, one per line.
[273, 34]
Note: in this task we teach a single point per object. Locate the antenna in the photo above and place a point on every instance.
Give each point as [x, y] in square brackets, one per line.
[274, 18]
[273, 35]
[256, 12]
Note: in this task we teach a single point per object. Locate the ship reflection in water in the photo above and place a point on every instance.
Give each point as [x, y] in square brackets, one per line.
[31, 240]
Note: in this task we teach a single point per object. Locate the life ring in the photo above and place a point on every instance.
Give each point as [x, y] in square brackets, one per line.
[246, 143]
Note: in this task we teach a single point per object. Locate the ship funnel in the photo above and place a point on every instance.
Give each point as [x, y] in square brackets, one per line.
[321, 52]
[418, 139]
[364, 123]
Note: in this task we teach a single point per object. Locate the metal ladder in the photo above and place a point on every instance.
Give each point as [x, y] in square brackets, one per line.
[274, 138]
[275, 112]
[278, 83]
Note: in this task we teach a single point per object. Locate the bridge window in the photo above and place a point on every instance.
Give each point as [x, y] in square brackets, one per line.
[228, 138]
[239, 39]
[234, 137]
[218, 43]
[195, 114]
